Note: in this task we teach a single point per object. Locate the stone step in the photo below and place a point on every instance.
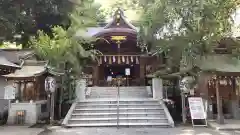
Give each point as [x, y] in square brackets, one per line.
[123, 113]
[114, 115]
[120, 105]
[132, 112]
[120, 124]
[121, 119]
[102, 109]
[114, 104]
[108, 92]
[121, 101]
[114, 110]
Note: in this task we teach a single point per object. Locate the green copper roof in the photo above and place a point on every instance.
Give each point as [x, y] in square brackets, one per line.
[218, 63]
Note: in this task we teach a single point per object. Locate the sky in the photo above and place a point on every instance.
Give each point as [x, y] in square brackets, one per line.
[236, 31]
[131, 15]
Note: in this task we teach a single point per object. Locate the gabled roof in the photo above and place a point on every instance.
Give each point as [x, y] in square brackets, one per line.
[118, 24]
[219, 63]
[6, 63]
[30, 68]
[15, 55]
[119, 20]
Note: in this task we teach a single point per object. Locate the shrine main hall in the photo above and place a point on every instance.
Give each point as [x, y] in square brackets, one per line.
[121, 57]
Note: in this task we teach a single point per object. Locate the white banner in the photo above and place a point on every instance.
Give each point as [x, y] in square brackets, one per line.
[196, 108]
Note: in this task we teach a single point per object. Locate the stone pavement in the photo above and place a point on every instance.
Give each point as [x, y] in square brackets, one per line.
[229, 124]
[19, 130]
[138, 131]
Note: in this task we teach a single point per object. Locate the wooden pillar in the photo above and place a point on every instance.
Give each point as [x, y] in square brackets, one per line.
[25, 91]
[142, 72]
[36, 89]
[19, 90]
[220, 119]
[95, 75]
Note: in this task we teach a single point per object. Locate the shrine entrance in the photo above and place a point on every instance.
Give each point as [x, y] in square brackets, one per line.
[125, 72]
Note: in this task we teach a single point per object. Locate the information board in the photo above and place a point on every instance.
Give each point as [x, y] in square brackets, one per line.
[197, 110]
[127, 71]
[9, 92]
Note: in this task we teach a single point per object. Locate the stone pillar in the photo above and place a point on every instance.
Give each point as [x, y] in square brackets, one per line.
[235, 105]
[234, 108]
[80, 89]
[157, 88]
[220, 118]
[210, 110]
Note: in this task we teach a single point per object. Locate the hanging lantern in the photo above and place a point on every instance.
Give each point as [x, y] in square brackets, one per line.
[119, 60]
[131, 58]
[100, 60]
[137, 61]
[230, 82]
[127, 62]
[110, 60]
[123, 59]
[105, 59]
[237, 82]
[223, 82]
[209, 82]
[114, 59]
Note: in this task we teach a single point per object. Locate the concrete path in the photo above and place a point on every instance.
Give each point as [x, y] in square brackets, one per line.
[138, 131]
[229, 124]
[19, 130]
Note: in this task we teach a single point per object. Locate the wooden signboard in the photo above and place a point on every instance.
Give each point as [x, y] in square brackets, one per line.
[197, 111]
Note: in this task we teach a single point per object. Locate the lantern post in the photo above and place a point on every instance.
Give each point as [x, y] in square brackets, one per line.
[50, 87]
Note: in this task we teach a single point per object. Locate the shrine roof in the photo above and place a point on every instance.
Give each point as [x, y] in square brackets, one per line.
[6, 63]
[219, 63]
[30, 68]
[118, 24]
[95, 31]
[14, 55]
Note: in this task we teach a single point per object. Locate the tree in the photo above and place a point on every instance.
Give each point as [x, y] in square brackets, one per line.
[25, 17]
[185, 29]
[66, 52]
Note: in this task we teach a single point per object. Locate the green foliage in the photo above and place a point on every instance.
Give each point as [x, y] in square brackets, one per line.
[25, 17]
[65, 51]
[185, 28]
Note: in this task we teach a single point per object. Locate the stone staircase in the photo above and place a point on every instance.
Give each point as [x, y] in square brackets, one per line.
[132, 112]
[125, 92]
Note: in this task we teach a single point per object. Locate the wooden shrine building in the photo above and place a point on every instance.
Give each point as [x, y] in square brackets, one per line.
[121, 55]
